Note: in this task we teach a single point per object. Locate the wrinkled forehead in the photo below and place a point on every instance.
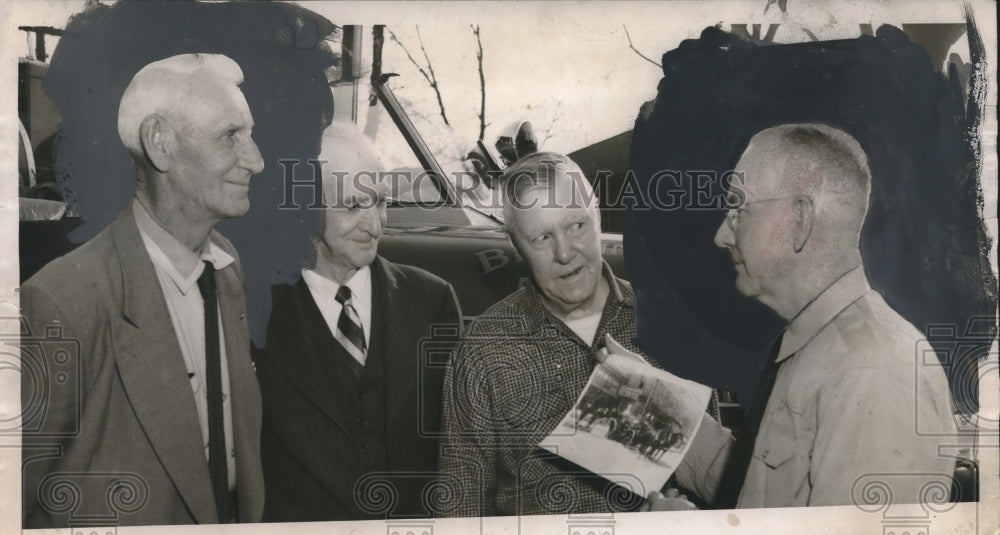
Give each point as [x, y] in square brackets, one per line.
[554, 204]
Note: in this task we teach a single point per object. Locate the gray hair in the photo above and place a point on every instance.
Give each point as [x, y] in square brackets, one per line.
[823, 158]
[163, 86]
[540, 170]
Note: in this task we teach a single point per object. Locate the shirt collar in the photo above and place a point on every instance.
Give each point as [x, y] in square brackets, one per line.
[807, 324]
[536, 315]
[360, 283]
[171, 256]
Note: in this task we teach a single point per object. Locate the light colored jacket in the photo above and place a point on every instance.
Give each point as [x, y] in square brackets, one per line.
[111, 429]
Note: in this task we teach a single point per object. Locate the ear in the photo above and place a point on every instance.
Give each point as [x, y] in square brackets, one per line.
[804, 211]
[156, 137]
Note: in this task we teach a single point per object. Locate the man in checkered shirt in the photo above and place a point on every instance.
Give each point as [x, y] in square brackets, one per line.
[523, 363]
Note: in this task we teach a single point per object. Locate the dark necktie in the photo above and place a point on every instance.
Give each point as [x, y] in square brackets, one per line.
[217, 463]
[736, 471]
[349, 332]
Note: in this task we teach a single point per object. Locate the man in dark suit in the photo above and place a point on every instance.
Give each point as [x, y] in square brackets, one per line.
[351, 398]
[164, 428]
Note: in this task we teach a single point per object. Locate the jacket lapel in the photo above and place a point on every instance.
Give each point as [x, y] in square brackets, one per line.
[303, 365]
[153, 373]
[402, 357]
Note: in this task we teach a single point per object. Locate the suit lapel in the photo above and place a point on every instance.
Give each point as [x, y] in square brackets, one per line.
[398, 315]
[154, 375]
[303, 365]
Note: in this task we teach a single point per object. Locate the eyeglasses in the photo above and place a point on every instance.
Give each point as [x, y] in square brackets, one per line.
[733, 214]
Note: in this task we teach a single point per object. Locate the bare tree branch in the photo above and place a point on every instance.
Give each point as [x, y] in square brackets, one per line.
[482, 84]
[428, 73]
[641, 55]
[407, 52]
[548, 131]
[433, 78]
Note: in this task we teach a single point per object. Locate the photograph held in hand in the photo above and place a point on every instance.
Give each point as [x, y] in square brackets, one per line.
[632, 419]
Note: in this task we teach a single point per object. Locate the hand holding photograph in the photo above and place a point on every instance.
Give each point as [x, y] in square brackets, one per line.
[631, 419]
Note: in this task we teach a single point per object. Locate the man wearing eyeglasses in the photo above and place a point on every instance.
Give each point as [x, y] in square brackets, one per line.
[847, 399]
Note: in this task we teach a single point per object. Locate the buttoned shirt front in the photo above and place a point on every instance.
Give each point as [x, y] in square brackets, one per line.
[324, 292]
[517, 372]
[855, 403]
[177, 270]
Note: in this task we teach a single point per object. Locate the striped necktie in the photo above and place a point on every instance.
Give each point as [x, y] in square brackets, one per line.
[349, 331]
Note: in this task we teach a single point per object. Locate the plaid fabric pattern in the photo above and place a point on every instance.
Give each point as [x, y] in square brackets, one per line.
[517, 372]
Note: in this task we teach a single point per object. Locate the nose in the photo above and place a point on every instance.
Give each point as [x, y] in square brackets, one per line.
[724, 236]
[372, 221]
[250, 158]
[562, 249]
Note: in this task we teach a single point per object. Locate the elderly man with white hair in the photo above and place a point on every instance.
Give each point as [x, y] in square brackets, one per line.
[163, 426]
[351, 389]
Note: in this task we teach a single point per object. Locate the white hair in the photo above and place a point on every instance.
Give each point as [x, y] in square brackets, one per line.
[163, 86]
[544, 170]
[346, 148]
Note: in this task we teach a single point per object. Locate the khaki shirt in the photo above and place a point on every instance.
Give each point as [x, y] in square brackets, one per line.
[858, 409]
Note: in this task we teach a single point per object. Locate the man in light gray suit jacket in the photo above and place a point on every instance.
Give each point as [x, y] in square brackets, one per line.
[164, 426]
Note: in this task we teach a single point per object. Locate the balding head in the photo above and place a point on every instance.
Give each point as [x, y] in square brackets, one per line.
[796, 220]
[175, 88]
[814, 159]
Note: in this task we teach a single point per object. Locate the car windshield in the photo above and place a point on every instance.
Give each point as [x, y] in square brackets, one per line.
[409, 182]
[465, 95]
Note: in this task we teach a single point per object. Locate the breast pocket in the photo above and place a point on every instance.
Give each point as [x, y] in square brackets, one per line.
[786, 470]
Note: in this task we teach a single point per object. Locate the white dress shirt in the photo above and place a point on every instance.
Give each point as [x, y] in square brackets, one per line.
[324, 292]
[178, 269]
